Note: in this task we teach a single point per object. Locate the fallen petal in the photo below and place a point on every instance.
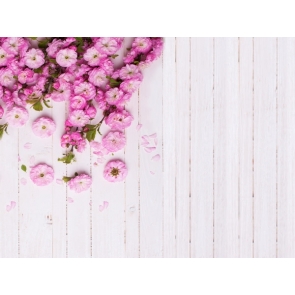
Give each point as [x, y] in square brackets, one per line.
[105, 204]
[149, 149]
[8, 208]
[23, 181]
[101, 207]
[70, 200]
[138, 127]
[28, 145]
[152, 172]
[154, 135]
[156, 157]
[156, 141]
[12, 204]
[59, 181]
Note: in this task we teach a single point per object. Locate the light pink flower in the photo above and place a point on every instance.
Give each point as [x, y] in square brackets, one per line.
[27, 76]
[17, 116]
[115, 171]
[91, 111]
[43, 127]
[78, 118]
[63, 91]
[114, 95]
[130, 85]
[98, 77]
[114, 141]
[66, 57]
[13, 44]
[93, 56]
[119, 120]
[78, 102]
[87, 90]
[42, 174]
[142, 45]
[80, 183]
[130, 71]
[54, 47]
[3, 57]
[7, 78]
[107, 45]
[34, 58]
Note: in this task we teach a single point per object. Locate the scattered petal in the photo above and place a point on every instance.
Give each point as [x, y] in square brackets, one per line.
[59, 181]
[154, 135]
[28, 145]
[149, 149]
[101, 160]
[32, 161]
[70, 200]
[132, 209]
[8, 208]
[101, 207]
[23, 181]
[138, 127]
[12, 204]
[156, 157]
[105, 204]
[156, 141]
[152, 172]
[145, 138]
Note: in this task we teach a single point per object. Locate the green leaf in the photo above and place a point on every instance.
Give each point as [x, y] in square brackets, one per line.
[1, 133]
[90, 135]
[38, 106]
[136, 62]
[67, 159]
[55, 75]
[52, 60]
[33, 38]
[90, 127]
[114, 83]
[114, 56]
[66, 179]
[38, 71]
[24, 168]
[43, 43]
[31, 101]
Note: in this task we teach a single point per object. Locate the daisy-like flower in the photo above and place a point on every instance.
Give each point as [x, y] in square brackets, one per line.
[54, 47]
[130, 85]
[7, 78]
[119, 120]
[42, 174]
[27, 76]
[114, 95]
[3, 57]
[98, 77]
[34, 58]
[107, 45]
[17, 116]
[142, 45]
[130, 71]
[115, 171]
[80, 183]
[63, 91]
[93, 56]
[43, 127]
[13, 44]
[85, 89]
[114, 141]
[78, 102]
[66, 57]
[78, 118]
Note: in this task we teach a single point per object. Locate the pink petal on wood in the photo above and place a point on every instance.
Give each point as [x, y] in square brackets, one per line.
[12, 204]
[28, 145]
[156, 141]
[149, 149]
[156, 157]
[101, 207]
[70, 200]
[154, 135]
[152, 172]
[8, 208]
[145, 138]
[23, 181]
[59, 181]
[105, 204]
[138, 127]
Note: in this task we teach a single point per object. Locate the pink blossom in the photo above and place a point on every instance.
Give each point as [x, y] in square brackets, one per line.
[93, 56]
[43, 127]
[80, 183]
[78, 118]
[65, 140]
[107, 45]
[78, 70]
[142, 45]
[4, 56]
[130, 85]
[27, 76]
[130, 71]
[66, 57]
[1, 112]
[107, 65]
[54, 47]
[78, 102]
[17, 116]
[7, 78]
[119, 120]
[81, 145]
[42, 174]
[98, 77]
[85, 89]
[34, 58]
[91, 112]
[114, 95]
[13, 44]
[130, 57]
[62, 92]
[115, 171]
[114, 141]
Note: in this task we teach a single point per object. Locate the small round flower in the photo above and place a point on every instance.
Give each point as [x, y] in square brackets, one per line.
[66, 57]
[3, 57]
[42, 174]
[142, 45]
[130, 85]
[7, 78]
[78, 118]
[85, 89]
[119, 120]
[80, 183]
[114, 141]
[34, 58]
[78, 102]
[130, 71]
[107, 45]
[17, 116]
[98, 77]
[93, 56]
[43, 127]
[114, 95]
[115, 171]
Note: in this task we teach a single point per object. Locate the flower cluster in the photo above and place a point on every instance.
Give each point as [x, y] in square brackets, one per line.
[81, 71]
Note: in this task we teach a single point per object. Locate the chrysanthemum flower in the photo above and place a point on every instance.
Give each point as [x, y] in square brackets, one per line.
[42, 174]
[43, 127]
[115, 171]
[17, 116]
[66, 57]
[114, 141]
[142, 45]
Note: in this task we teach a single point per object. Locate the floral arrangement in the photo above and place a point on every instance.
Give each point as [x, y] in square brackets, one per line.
[34, 71]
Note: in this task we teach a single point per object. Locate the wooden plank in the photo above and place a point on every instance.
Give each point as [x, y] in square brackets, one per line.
[246, 76]
[202, 147]
[286, 147]
[169, 153]
[9, 193]
[264, 147]
[182, 142]
[151, 203]
[226, 148]
[35, 202]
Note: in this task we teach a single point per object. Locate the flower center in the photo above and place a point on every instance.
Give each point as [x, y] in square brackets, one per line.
[95, 56]
[34, 58]
[43, 127]
[41, 175]
[115, 172]
[2, 56]
[66, 57]
[16, 116]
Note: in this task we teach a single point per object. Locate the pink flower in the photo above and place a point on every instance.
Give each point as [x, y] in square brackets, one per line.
[3, 57]
[54, 47]
[63, 91]
[27, 77]
[66, 57]
[114, 141]
[42, 174]
[98, 77]
[142, 45]
[114, 95]
[78, 102]
[119, 120]
[80, 183]
[91, 112]
[93, 56]
[7, 78]
[130, 85]
[78, 118]
[1, 112]
[115, 171]
[43, 127]
[86, 90]
[130, 71]
[107, 45]
[13, 44]
[34, 58]
[17, 116]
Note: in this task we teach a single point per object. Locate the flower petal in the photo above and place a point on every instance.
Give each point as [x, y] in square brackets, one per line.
[156, 157]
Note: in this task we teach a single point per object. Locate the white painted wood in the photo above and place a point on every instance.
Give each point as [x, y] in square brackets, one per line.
[286, 147]
[151, 189]
[265, 147]
[226, 147]
[169, 153]
[182, 141]
[246, 146]
[201, 147]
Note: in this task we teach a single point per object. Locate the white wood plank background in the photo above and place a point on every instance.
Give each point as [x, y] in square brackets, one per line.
[224, 113]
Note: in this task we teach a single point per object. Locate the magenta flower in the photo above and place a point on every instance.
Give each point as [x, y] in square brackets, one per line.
[17, 116]
[107, 45]
[66, 57]
[80, 183]
[34, 58]
[119, 120]
[78, 102]
[142, 45]
[93, 56]
[115, 171]
[78, 118]
[3, 57]
[42, 174]
[114, 95]
[114, 141]
[43, 127]
[98, 77]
